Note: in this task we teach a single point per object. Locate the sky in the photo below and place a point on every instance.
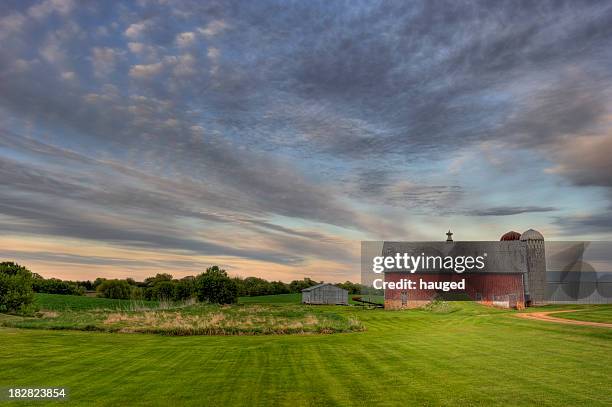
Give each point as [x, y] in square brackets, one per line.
[271, 137]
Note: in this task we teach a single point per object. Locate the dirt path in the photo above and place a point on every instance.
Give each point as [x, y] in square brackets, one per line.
[546, 316]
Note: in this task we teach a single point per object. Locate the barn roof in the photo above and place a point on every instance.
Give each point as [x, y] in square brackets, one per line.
[314, 287]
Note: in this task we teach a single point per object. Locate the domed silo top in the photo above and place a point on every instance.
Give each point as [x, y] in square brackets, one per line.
[531, 235]
[512, 235]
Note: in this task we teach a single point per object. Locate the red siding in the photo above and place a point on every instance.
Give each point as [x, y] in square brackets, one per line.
[485, 288]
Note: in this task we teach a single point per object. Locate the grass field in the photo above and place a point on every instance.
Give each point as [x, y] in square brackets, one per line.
[182, 319]
[296, 298]
[272, 299]
[55, 302]
[462, 354]
[597, 314]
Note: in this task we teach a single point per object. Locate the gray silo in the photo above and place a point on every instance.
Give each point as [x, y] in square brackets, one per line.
[535, 286]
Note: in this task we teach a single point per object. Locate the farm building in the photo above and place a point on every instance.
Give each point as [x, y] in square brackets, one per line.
[325, 293]
[518, 273]
[514, 276]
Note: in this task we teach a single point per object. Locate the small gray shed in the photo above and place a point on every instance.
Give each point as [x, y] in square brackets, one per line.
[325, 293]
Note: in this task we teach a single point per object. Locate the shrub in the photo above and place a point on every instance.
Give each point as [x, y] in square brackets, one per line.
[352, 288]
[97, 282]
[297, 286]
[56, 286]
[216, 287]
[137, 293]
[163, 290]
[151, 281]
[118, 289]
[16, 294]
[184, 289]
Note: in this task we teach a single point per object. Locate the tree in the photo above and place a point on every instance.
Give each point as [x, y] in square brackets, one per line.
[159, 277]
[87, 285]
[56, 286]
[256, 286]
[137, 292]
[278, 287]
[118, 289]
[16, 294]
[97, 282]
[216, 287]
[163, 290]
[297, 286]
[352, 288]
[185, 289]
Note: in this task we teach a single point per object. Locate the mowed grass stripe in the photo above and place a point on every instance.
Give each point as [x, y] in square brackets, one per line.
[601, 314]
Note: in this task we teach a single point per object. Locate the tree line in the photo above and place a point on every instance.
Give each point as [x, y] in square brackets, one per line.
[18, 284]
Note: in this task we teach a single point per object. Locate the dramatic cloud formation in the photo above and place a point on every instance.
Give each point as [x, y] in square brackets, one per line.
[272, 138]
[512, 210]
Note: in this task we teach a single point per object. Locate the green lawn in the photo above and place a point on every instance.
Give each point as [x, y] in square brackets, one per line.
[461, 355]
[295, 298]
[380, 299]
[597, 314]
[56, 302]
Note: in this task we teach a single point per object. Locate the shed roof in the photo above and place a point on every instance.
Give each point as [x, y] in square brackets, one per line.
[314, 287]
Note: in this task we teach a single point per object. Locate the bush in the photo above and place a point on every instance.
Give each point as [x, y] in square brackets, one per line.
[352, 288]
[56, 286]
[16, 294]
[185, 289]
[137, 293]
[117, 289]
[151, 281]
[296, 286]
[163, 291]
[216, 287]
[97, 282]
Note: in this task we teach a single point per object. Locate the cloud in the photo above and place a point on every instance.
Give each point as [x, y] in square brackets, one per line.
[585, 160]
[213, 28]
[54, 221]
[135, 30]
[511, 210]
[183, 65]
[90, 260]
[136, 47]
[185, 39]
[146, 71]
[586, 224]
[68, 75]
[52, 51]
[44, 8]
[390, 188]
[104, 195]
[11, 24]
[104, 60]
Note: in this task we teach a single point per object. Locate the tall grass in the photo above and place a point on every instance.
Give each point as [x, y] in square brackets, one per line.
[189, 318]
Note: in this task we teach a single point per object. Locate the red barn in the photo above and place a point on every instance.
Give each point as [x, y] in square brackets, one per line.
[499, 289]
[514, 278]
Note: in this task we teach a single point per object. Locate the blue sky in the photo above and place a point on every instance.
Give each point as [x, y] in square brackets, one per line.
[271, 137]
